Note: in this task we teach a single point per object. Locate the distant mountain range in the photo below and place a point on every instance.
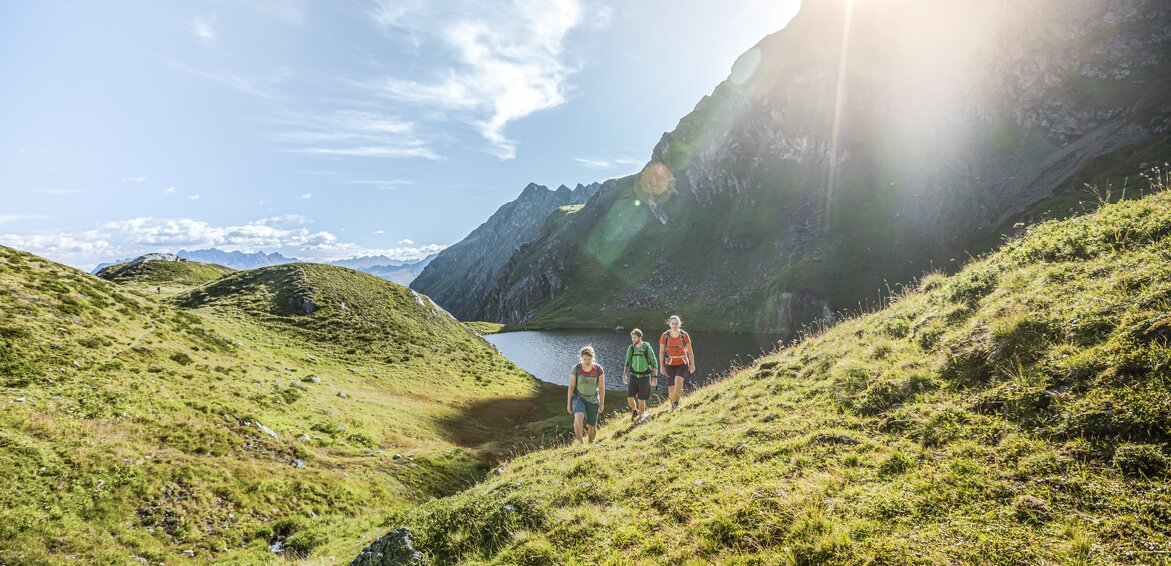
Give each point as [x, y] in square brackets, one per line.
[396, 270]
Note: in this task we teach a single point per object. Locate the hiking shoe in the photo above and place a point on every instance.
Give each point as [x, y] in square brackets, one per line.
[676, 405]
[633, 416]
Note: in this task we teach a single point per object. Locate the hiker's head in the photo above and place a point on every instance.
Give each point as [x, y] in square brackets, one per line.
[587, 355]
[675, 322]
[636, 336]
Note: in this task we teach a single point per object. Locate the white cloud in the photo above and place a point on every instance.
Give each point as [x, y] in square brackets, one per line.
[133, 179]
[380, 232]
[193, 197]
[508, 62]
[136, 236]
[260, 87]
[405, 242]
[607, 163]
[202, 28]
[383, 184]
[169, 190]
[62, 246]
[353, 133]
[306, 196]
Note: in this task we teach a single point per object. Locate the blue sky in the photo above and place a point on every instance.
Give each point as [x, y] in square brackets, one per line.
[333, 129]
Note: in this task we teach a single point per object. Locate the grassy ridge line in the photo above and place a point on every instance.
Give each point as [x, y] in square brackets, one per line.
[1017, 412]
[132, 428]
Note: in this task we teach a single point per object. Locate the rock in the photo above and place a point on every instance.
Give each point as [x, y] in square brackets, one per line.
[343, 395]
[189, 552]
[311, 360]
[391, 549]
[397, 457]
[312, 379]
[267, 431]
[20, 399]
[344, 307]
[303, 436]
[304, 305]
[835, 439]
[1032, 508]
[298, 463]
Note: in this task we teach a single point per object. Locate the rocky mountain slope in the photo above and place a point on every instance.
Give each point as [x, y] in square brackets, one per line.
[1014, 413]
[835, 163]
[462, 276]
[275, 413]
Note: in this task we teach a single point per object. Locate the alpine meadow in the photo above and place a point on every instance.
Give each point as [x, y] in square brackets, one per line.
[798, 282]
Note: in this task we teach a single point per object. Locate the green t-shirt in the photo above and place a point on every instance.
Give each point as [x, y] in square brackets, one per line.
[641, 363]
[587, 382]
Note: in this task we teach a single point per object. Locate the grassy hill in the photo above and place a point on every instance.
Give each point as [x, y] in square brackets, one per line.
[224, 421]
[169, 276]
[1018, 412]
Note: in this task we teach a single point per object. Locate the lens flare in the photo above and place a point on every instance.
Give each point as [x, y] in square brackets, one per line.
[656, 180]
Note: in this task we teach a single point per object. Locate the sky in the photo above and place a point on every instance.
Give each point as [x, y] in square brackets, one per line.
[326, 130]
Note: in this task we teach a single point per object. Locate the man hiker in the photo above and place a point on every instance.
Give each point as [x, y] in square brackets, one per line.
[587, 394]
[675, 344]
[639, 373]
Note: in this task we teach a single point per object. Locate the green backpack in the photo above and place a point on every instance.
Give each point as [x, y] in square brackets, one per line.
[640, 361]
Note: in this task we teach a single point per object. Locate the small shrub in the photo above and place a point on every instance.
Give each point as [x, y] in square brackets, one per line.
[181, 358]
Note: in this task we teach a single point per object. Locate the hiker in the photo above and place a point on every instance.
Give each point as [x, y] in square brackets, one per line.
[640, 361]
[587, 394]
[675, 344]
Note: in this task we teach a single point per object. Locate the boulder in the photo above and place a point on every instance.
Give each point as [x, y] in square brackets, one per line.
[391, 549]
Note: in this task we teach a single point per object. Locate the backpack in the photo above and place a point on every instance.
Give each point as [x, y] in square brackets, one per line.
[640, 361]
[681, 347]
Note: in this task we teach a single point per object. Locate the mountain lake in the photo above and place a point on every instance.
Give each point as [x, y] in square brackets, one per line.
[550, 354]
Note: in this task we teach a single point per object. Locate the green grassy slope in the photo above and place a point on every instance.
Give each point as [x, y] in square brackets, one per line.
[164, 273]
[132, 427]
[1018, 412]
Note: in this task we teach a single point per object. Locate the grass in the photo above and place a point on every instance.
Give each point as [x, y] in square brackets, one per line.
[1015, 412]
[154, 276]
[136, 425]
[484, 328]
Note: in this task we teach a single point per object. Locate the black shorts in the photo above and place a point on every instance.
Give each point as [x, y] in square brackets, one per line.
[672, 372]
[639, 387]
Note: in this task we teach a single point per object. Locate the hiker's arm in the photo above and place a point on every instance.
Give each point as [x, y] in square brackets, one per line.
[662, 349]
[626, 368]
[601, 390]
[569, 394]
[690, 358]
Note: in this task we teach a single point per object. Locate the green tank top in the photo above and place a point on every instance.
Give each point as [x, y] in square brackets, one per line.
[587, 383]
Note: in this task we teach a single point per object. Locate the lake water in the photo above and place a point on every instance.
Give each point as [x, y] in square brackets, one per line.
[550, 354]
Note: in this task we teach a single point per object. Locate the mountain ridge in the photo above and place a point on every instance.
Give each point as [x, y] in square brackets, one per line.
[800, 207]
[463, 274]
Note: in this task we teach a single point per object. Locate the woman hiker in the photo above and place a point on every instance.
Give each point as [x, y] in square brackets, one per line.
[680, 358]
[640, 361]
[587, 394]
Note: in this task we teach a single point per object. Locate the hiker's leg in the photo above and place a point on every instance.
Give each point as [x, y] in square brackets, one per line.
[630, 401]
[641, 406]
[578, 425]
[593, 432]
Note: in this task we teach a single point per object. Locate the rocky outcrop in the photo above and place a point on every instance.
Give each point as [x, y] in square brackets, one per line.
[392, 549]
[461, 277]
[849, 153]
